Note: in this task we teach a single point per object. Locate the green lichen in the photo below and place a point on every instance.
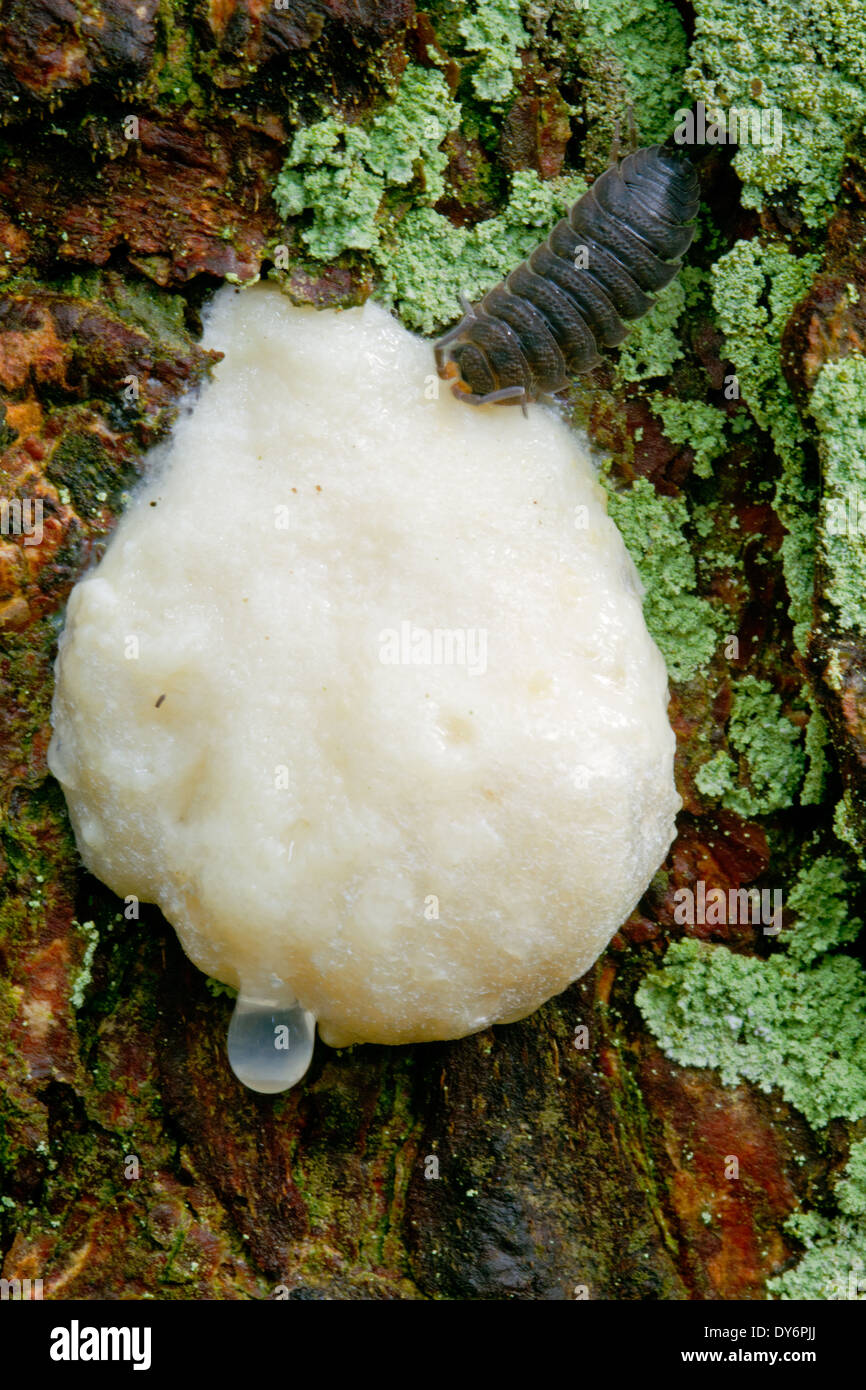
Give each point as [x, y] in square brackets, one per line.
[493, 30]
[838, 405]
[653, 344]
[83, 976]
[371, 188]
[772, 759]
[796, 1022]
[336, 183]
[755, 288]
[847, 823]
[429, 261]
[776, 1023]
[720, 544]
[694, 423]
[717, 778]
[819, 902]
[851, 1191]
[632, 51]
[806, 61]
[816, 742]
[683, 625]
[343, 173]
[834, 1265]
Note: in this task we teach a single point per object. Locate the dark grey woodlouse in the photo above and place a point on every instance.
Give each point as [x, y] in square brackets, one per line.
[546, 321]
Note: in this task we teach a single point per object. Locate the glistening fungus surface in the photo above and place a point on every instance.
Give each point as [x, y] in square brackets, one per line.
[393, 830]
[132, 1164]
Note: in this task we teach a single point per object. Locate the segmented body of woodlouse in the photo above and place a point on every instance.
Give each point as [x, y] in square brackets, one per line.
[546, 321]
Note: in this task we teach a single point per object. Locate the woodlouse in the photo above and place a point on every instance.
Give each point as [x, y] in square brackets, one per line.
[546, 321]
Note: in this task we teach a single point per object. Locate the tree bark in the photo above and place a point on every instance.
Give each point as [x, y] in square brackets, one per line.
[512, 1164]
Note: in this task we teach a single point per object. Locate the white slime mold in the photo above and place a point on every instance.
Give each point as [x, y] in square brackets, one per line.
[365, 702]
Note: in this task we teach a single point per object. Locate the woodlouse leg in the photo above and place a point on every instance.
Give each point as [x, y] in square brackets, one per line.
[504, 393]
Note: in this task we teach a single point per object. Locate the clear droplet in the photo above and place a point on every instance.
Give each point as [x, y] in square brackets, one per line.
[270, 1042]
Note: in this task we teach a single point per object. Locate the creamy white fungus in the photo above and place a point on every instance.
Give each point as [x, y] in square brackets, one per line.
[361, 692]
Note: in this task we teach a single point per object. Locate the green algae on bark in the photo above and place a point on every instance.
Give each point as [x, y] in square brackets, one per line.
[696, 424]
[773, 1022]
[683, 625]
[808, 63]
[771, 750]
[653, 345]
[633, 51]
[838, 405]
[797, 1022]
[343, 172]
[430, 262]
[493, 30]
[834, 1264]
[615, 52]
[372, 187]
[755, 288]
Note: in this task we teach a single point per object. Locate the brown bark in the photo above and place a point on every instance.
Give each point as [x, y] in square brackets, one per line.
[558, 1167]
